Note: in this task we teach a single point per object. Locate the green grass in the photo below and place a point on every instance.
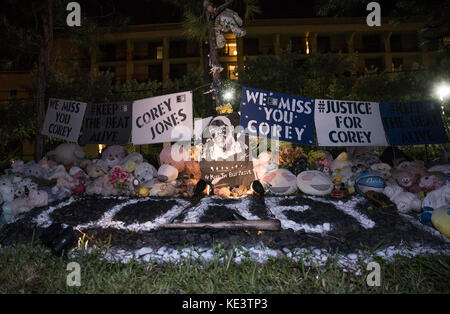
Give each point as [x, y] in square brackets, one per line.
[30, 269]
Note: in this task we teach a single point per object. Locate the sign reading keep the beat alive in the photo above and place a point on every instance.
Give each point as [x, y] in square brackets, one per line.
[160, 119]
[348, 123]
[63, 119]
[275, 115]
[413, 123]
[108, 123]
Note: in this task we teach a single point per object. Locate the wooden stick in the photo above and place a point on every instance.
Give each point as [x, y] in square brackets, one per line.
[270, 224]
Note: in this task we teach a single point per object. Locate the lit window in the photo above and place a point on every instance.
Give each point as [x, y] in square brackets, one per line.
[231, 47]
[159, 52]
[232, 74]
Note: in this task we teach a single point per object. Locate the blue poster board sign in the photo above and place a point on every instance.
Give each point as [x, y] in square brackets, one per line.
[278, 116]
[413, 123]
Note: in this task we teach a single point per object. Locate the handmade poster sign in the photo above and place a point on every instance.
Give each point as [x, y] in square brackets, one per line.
[348, 123]
[277, 116]
[108, 123]
[63, 119]
[160, 119]
[224, 158]
[413, 123]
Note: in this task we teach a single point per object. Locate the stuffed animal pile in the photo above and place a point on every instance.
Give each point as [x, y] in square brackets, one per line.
[65, 172]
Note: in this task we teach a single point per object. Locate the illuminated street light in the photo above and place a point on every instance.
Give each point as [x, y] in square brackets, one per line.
[228, 95]
[443, 91]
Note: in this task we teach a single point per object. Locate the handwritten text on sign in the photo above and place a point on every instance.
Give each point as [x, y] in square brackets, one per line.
[413, 123]
[348, 123]
[63, 119]
[108, 123]
[275, 115]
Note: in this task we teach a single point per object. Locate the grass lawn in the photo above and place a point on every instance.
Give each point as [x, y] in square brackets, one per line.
[32, 269]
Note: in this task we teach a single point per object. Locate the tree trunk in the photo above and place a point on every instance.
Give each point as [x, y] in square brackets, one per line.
[43, 66]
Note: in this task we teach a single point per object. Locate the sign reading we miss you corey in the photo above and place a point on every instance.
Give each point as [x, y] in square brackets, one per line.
[278, 116]
[348, 123]
[63, 119]
[160, 119]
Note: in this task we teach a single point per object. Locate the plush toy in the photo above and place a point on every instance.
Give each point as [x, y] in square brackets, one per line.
[37, 198]
[314, 182]
[101, 186]
[167, 173]
[431, 181]
[437, 198]
[174, 155]
[441, 220]
[80, 178]
[6, 189]
[19, 187]
[226, 21]
[131, 162]
[280, 182]
[440, 168]
[346, 174]
[67, 154]
[405, 201]
[145, 174]
[17, 167]
[63, 179]
[263, 164]
[340, 162]
[415, 167]
[365, 155]
[113, 155]
[55, 193]
[162, 189]
[33, 169]
[409, 181]
[324, 164]
[189, 178]
[97, 169]
[382, 168]
[223, 192]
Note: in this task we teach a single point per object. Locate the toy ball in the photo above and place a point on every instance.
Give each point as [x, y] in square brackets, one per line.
[441, 220]
[144, 192]
[280, 182]
[314, 182]
[370, 181]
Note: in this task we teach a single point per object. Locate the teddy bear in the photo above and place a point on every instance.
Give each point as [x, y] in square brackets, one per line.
[382, 168]
[409, 181]
[174, 155]
[405, 201]
[415, 167]
[225, 21]
[144, 175]
[163, 189]
[97, 168]
[340, 162]
[101, 186]
[431, 181]
[264, 164]
[437, 198]
[189, 178]
[80, 178]
[34, 169]
[131, 162]
[12, 209]
[113, 155]
[6, 189]
[63, 179]
[68, 154]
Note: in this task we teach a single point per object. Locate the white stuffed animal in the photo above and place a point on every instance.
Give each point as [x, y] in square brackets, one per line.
[437, 198]
[12, 209]
[6, 189]
[405, 201]
[144, 174]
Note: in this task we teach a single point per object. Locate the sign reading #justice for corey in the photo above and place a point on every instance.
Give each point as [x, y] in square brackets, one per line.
[348, 123]
[280, 116]
[160, 119]
[108, 123]
[63, 119]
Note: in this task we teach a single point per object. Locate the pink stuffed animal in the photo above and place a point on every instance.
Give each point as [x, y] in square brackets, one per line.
[432, 181]
[407, 180]
[113, 155]
[174, 155]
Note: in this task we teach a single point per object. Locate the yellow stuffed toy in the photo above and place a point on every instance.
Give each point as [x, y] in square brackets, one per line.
[441, 220]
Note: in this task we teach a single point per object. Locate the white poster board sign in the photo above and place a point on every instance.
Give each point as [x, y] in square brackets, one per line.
[348, 123]
[160, 119]
[63, 119]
